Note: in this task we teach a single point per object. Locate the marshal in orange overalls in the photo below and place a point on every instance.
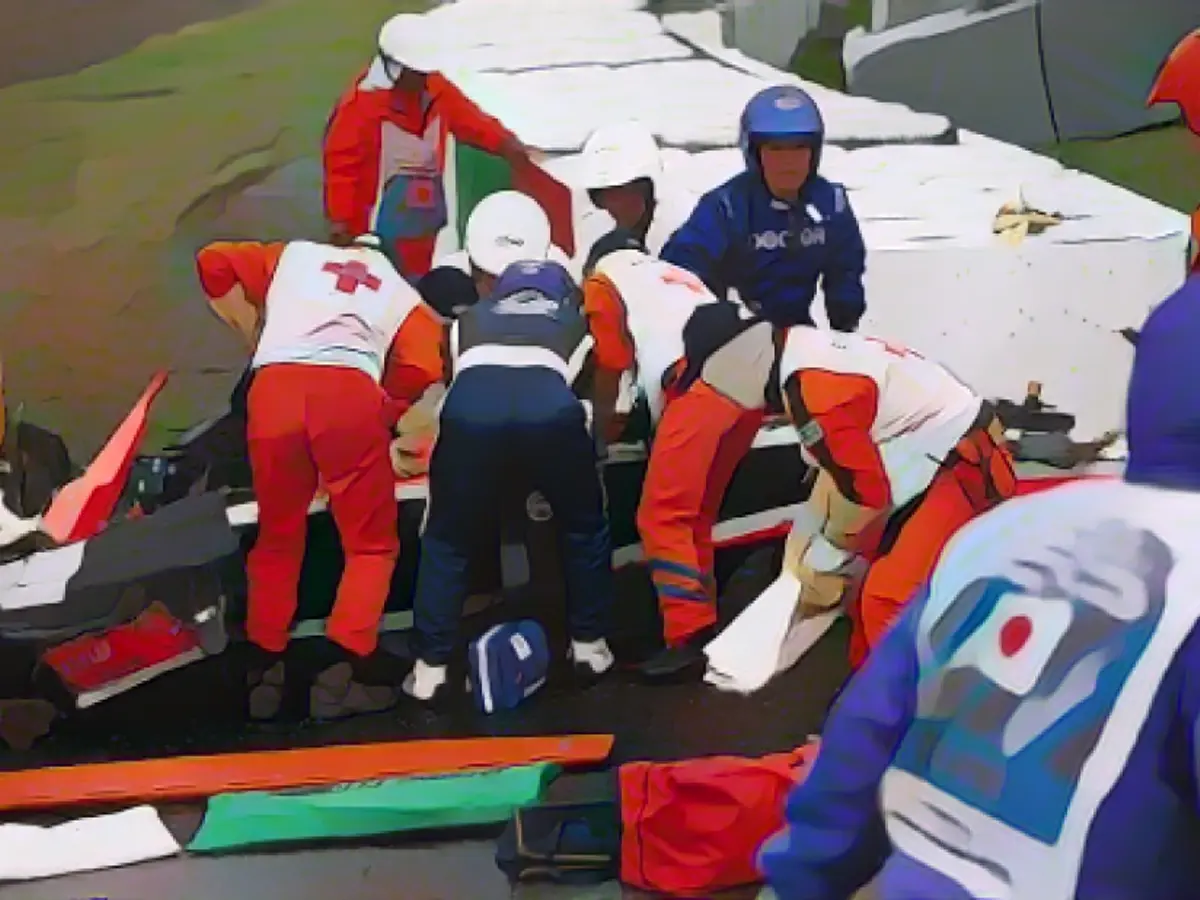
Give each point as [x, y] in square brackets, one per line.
[386, 141]
[342, 345]
[703, 368]
[915, 453]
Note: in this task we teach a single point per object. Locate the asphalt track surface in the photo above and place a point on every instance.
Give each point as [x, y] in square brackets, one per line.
[457, 871]
[655, 723]
[196, 711]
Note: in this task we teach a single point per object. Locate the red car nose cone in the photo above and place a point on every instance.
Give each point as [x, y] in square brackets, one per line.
[1178, 80]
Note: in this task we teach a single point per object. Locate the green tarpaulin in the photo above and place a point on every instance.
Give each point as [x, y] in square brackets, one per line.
[478, 175]
[394, 806]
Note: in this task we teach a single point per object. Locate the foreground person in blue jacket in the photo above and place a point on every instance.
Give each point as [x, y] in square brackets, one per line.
[1029, 730]
[778, 229]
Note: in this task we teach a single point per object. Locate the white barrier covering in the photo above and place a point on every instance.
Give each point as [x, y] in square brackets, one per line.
[938, 279]
[999, 316]
[510, 41]
[554, 72]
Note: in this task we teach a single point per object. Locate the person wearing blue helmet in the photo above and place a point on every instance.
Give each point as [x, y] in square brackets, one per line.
[778, 229]
[1030, 727]
[510, 415]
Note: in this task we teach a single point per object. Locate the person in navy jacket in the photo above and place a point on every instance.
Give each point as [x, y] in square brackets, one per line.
[778, 230]
[511, 413]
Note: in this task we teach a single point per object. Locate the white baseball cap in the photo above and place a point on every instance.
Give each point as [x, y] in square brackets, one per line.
[507, 227]
[410, 41]
[616, 155]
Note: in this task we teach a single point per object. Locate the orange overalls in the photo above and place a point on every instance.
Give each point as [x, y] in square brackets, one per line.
[700, 440]
[377, 133]
[311, 424]
[976, 476]
[698, 443]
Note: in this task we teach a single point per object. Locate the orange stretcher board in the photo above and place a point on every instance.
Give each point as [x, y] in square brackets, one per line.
[197, 777]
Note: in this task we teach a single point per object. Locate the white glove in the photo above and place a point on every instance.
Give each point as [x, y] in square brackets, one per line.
[407, 459]
[421, 419]
[824, 558]
[820, 589]
[413, 431]
[823, 569]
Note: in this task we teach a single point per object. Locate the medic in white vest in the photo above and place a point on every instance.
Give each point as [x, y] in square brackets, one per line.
[341, 345]
[913, 455]
[384, 149]
[623, 176]
[703, 364]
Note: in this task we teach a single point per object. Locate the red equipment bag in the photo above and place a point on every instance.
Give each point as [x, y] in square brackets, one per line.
[693, 827]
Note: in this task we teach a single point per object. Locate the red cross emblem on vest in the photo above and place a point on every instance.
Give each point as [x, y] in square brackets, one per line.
[351, 276]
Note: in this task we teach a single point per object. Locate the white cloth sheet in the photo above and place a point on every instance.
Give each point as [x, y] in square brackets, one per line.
[84, 845]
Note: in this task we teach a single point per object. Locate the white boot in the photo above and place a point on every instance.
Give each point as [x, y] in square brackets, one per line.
[590, 660]
[425, 682]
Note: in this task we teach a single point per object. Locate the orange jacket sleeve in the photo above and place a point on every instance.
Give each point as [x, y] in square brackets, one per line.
[605, 311]
[834, 412]
[225, 264]
[465, 120]
[416, 359]
[348, 150]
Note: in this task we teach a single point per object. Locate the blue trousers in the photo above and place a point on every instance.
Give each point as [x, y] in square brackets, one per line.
[499, 424]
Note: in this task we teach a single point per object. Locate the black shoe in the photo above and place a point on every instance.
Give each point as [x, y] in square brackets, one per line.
[351, 685]
[24, 721]
[684, 662]
[266, 683]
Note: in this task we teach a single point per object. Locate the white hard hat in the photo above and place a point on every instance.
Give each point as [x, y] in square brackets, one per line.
[408, 40]
[615, 155]
[507, 227]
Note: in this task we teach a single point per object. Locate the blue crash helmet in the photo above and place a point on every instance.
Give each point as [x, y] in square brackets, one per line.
[780, 112]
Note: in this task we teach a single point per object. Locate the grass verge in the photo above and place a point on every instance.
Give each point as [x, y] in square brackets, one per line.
[153, 129]
[106, 162]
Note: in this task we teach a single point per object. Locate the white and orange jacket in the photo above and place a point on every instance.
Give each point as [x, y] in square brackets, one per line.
[639, 306]
[330, 306]
[878, 418]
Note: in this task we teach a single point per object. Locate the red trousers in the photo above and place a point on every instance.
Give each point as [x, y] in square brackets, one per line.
[310, 422]
[697, 446]
[980, 478]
